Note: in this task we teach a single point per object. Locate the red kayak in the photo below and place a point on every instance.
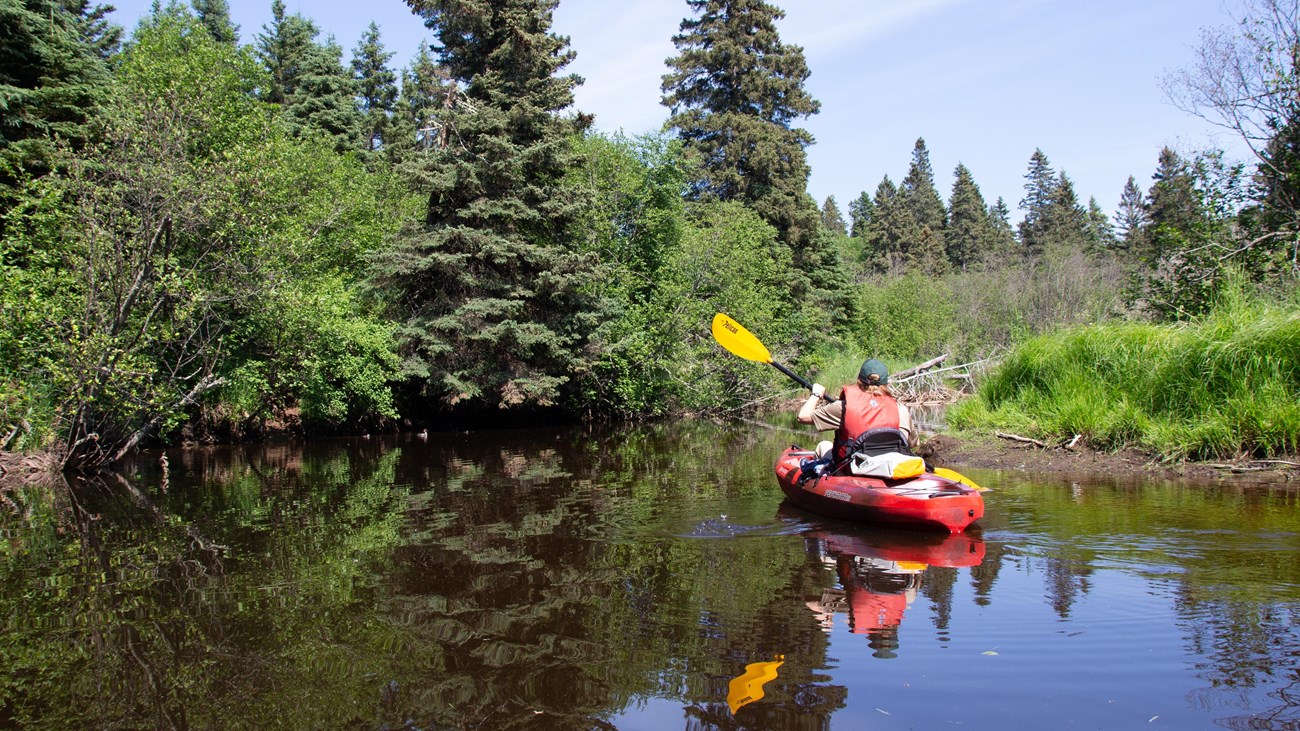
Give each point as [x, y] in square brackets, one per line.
[926, 501]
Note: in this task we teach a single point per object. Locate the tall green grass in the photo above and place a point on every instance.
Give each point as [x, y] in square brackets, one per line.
[1226, 385]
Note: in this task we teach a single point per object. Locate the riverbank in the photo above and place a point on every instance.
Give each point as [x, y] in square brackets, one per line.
[990, 452]
[955, 451]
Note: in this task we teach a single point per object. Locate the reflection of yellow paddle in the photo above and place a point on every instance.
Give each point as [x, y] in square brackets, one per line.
[739, 341]
[749, 686]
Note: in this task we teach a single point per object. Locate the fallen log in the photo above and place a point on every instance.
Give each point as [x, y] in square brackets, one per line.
[1282, 462]
[917, 369]
[1018, 438]
[1236, 467]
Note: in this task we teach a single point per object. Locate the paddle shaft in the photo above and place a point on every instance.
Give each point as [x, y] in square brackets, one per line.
[797, 378]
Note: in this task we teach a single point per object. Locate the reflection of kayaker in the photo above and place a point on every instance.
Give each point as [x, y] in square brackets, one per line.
[879, 574]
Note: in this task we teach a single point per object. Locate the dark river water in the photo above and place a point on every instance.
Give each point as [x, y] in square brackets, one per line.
[630, 578]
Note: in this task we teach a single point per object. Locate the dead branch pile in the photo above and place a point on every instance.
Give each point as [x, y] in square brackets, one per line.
[929, 385]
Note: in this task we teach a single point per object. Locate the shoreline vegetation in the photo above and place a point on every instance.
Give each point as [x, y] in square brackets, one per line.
[204, 242]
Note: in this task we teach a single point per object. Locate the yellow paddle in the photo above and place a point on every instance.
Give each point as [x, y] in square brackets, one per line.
[958, 477]
[739, 341]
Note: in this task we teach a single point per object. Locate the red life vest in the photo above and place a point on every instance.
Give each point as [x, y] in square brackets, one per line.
[863, 411]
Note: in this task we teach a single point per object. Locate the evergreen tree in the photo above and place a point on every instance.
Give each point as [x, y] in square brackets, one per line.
[734, 90]
[1040, 186]
[215, 17]
[492, 296]
[1131, 217]
[1003, 238]
[283, 47]
[1101, 234]
[1063, 225]
[881, 249]
[832, 219]
[54, 74]
[918, 192]
[1173, 206]
[376, 86]
[861, 211]
[425, 89]
[969, 235]
[1000, 213]
[323, 101]
[922, 242]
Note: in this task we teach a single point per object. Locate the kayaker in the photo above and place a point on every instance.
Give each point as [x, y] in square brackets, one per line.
[868, 402]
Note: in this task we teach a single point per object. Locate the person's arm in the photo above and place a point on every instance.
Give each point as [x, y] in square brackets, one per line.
[805, 415]
[905, 423]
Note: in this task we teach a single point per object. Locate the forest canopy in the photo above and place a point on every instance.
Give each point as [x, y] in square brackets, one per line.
[202, 240]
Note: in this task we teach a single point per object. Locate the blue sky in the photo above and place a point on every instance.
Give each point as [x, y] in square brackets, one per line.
[985, 82]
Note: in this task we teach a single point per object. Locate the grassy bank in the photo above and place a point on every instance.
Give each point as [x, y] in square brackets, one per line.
[1222, 386]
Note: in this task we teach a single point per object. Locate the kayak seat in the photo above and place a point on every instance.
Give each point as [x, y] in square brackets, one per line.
[879, 441]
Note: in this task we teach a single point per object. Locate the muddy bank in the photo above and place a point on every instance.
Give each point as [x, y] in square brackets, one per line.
[989, 452]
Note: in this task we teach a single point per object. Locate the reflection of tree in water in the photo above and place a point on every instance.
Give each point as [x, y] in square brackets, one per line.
[985, 575]
[938, 588]
[153, 627]
[1245, 645]
[1067, 578]
[518, 612]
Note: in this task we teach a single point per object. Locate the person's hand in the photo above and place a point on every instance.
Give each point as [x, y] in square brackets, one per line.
[818, 390]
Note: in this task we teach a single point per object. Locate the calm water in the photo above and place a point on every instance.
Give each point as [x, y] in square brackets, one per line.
[643, 578]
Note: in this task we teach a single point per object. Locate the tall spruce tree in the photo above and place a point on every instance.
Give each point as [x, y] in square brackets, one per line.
[323, 102]
[1040, 186]
[1101, 234]
[832, 219]
[734, 91]
[922, 243]
[881, 248]
[1130, 217]
[1064, 223]
[215, 17]
[918, 192]
[969, 235]
[1172, 208]
[283, 47]
[1003, 244]
[54, 74]
[861, 211]
[492, 296]
[376, 87]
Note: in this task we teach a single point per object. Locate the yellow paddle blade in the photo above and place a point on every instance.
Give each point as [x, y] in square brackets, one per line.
[735, 338]
[749, 687]
[958, 477]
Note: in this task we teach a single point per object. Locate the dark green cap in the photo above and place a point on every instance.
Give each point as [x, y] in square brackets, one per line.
[873, 373]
